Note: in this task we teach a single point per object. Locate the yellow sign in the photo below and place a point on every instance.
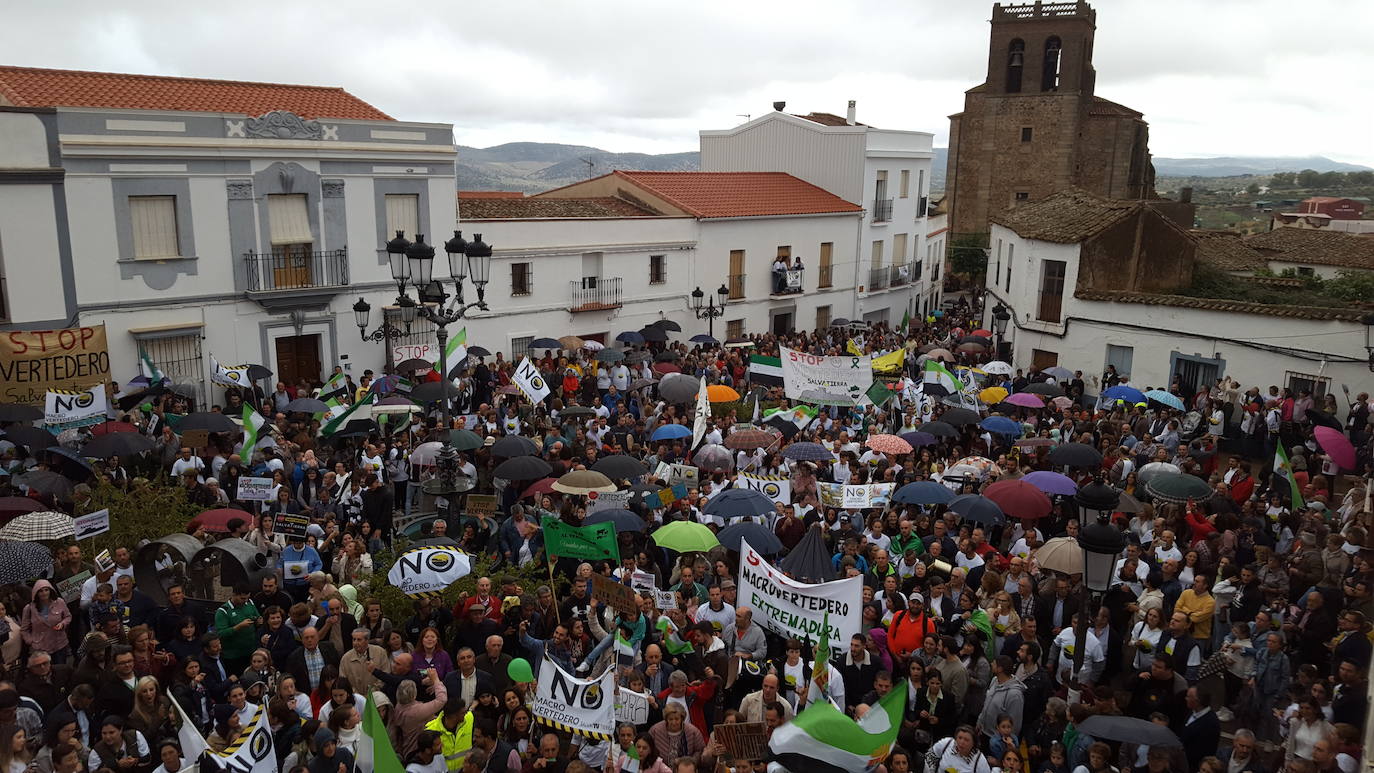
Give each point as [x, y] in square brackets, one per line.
[34, 362]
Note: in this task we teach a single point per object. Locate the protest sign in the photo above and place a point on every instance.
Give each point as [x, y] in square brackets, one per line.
[35, 362]
[528, 378]
[607, 500]
[743, 741]
[255, 489]
[195, 438]
[428, 570]
[665, 600]
[685, 474]
[797, 609]
[92, 524]
[582, 706]
[642, 582]
[103, 561]
[292, 525]
[827, 380]
[587, 543]
[662, 471]
[69, 408]
[70, 588]
[776, 487]
[620, 597]
[855, 496]
[480, 504]
[631, 707]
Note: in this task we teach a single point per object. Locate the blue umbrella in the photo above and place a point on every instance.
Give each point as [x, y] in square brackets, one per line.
[739, 503]
[1160, 396]
[671, 432]
[979, 509]
[808, 452]
[702, 338]
[923, 492]
[918, 438]
[1001, 425]
[757, 535]
[630, 337]
[545, 343]
[622, 520]
[1123, 392]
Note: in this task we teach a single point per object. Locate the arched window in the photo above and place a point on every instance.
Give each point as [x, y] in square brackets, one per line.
[1049, 78]
[1016, 58]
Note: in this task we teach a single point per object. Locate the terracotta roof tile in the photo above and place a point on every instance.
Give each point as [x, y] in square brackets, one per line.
[1067, 217]
[1321, 247]
[1227, 251]
[491, 194]
[1214, 304]
[1102, 106]
[740, 194]
[486, 208]
[36, 87]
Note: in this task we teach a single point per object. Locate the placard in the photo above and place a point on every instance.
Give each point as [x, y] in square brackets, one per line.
[103, 561]
[608, 500]
[69, 409]
[642, 582]
[403, 352]
[196, 438]
[797, 609]
[743, 741]
[292, 525]
[776, 487]
[35, 362]
[70, 588]
[631, 707]
[528, 378]
[685, 474]
[582, 706]
[855, 496]
[484, 504]
[838, 380]
[621, 598]
[665, 600]
[662, 471]
[92, 524]
[255, 489]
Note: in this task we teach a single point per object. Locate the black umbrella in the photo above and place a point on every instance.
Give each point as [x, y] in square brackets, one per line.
[70, 463]
[117, 444]
[979, 509]
[630, 337]
[128, 401]
[522, 468]
[415, 363]
[306, 405]
[809, 561]
[668, 324]
[1076, 455]
[959, 416]
[258, 372]
[23, 561]
[638, 356]
[759, 537]
[679, 388]
[358, 428]
[1324, 419]
[656, 334]
[16, 412]
[1117, 727]
[478, 351]
[512, 446]
[620, 467]
[622, 520]
[35, 438]
[938, 429]
[667, 355]
[433, 391]
[461, 439]
[1044, 388]
[575, 412]
[640, 383]
[46, 482]
[839, 322]
[206, 420]
[545, 343]
[739, 503]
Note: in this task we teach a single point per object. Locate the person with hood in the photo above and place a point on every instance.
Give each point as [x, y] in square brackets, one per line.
[45, 621]
[1005, 696]
[454, 727]
[330, 756]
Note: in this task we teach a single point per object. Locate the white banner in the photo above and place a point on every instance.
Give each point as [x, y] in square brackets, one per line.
[631, 706]
[582, 706]
[856, 496]
[67, 409]
[528, 378]
[426, 352]
[229, 375]
[428, 570]
[608, 500]
[703, 412]
[252, 751]
[797, 609]
[92, 524]
[810, 377]
[255, 490]
[776, 487]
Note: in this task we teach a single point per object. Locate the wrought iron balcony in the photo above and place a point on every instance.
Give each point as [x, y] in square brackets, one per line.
[288, 270]
[787, 282]
[899, 275]
[877, 278]
[594, 293]
[882, 210]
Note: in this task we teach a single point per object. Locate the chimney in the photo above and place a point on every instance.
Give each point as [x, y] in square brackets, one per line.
[779, 106]
[849, 115]
[1185, 195]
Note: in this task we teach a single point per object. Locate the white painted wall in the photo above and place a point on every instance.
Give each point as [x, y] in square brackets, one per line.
[25, 144]
[29, 250]
[827, 156]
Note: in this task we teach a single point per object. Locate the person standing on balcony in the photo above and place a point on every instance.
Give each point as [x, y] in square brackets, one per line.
[779, 274]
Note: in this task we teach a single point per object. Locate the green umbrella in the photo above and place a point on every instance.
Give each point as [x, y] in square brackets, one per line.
[1178, 487]
[464, 440]
[685, 537]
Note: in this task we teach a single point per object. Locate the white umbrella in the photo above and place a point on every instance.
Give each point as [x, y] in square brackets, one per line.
[1060, 554]
[997, 368]
[425, 453]
[593, 346]
[411, 408]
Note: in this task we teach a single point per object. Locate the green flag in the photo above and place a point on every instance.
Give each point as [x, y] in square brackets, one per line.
[906, 319]
[338, 420]
[1285, 470]
[253, 422]
[148, 368]
[879, 393]
[588, 543]
[456, 348]
[374, 751]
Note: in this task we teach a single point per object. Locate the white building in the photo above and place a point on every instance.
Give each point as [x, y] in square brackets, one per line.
[197, 217]
[1091, 282]
[617, 252]
[885, 171]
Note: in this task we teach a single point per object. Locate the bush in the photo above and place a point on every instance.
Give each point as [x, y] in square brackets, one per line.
[145, 511]
[399, 607]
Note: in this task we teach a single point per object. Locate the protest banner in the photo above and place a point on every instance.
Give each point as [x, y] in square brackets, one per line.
[621, 598]
[252, 751]
[292, 525]
[631, 707]
[92, 524]
[797, 609]
[855, 496]
[104, 562]
[607, 500]
[484, 504]
[69, 408]
[586, 543]
[840, 380]
[255, 489]
[776, 487]
[685, 474]
[70, 588]
[528, 378]
[428, 570]
[582, 706]
[35, 362]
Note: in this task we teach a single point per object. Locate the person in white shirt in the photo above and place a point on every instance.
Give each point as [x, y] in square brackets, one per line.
[603, 379]
[716, 611]
[1165, 548]
[185, 463]
[1094, 659]
[620, 377]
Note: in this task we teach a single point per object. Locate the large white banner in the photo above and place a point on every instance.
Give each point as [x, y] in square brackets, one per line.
[703, 412]
[582, 706]
[798, 609]
[428, 570]
[828, 380]
[66, 409]
[855, 496]
[776, 487]
[530, 381]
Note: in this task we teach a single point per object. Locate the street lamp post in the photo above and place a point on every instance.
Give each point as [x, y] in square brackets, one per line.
[413, 263]
[1369, 339]
[1001, 315]
[710, 311]
[386, 332]
[1101, 543]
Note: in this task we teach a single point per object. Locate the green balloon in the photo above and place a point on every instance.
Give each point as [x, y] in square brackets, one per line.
[519, 670]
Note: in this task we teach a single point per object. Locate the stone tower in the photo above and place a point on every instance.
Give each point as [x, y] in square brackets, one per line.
[1034, 126]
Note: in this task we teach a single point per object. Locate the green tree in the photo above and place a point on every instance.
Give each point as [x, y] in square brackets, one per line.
[1252, 189]
[1283, 180]
[1309, 178]
[969, 256]
[144, 511]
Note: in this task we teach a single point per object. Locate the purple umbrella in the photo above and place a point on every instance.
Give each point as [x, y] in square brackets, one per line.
[918, 438]
[1052, 483]
[1025, 400]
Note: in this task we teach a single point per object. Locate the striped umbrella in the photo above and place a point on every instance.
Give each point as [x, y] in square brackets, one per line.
[35, 527]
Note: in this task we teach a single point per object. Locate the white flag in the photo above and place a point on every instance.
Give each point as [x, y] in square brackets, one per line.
[530, 381]
[252, 751]
[231, 375]
[703, 412]
[191, 741]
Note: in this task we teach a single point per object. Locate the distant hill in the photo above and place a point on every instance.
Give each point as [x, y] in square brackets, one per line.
[1233, 166]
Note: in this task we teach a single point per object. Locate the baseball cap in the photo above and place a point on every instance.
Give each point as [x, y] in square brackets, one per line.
[916, 598]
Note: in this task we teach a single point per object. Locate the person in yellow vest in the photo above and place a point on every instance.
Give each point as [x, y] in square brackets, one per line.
[454, 726]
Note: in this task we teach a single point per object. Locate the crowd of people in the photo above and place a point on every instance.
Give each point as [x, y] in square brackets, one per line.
[1240, 622]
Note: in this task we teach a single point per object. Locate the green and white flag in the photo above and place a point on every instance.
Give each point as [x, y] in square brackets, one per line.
[823, 739]
[765, 370]
[339, 419]
[457, 350]
[1285, 470]
[800, 415]
[937, 374]
[335, 389]
[148, 369]
[253, 422]
[374, 751]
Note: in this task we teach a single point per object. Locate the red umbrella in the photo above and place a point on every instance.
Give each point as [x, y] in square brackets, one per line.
[666, 367]
[113, 426]
[218, 520]
[1336, 446]
[12, 507]
[540, 488]
[981, 333]
[1019, 499]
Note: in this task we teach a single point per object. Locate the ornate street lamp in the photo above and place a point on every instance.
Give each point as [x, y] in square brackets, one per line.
[711, 310]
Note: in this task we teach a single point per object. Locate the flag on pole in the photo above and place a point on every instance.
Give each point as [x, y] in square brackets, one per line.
[1285, 470]
[701, 414]
[853, 348]
[253, 422]
[799, 416]
[456, 349]
[148, 369]
[821, 738]
[879, 394]
[340, 419]
[252, 751]
[232, 375]
[937, 374]
[335, 389]
[765, 370]
[906, 319]
[188, 737]
[890, 363]
[374, 751]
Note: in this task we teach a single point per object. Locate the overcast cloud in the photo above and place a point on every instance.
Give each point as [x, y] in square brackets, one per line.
[1213, 77]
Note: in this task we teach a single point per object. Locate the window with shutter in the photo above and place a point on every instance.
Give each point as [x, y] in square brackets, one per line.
[402, 214]
[154, 221]
[290, 220]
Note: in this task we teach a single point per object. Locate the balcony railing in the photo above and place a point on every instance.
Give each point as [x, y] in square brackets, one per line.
[899, 275]
[877, 278]
[736, 284]
[916, 270]
[882, 210]
[594, 293]
[292, 270]
[787, 282]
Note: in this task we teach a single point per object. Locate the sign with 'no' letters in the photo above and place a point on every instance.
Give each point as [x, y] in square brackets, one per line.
[35, 362]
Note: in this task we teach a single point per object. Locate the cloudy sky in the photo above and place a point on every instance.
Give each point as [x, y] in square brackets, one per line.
[1213, 77]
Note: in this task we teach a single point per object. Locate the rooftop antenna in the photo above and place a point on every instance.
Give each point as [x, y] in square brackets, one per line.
[591, 164]
[745, 116]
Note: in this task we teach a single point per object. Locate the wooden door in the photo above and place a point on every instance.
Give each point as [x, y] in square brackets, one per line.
[298, 357]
